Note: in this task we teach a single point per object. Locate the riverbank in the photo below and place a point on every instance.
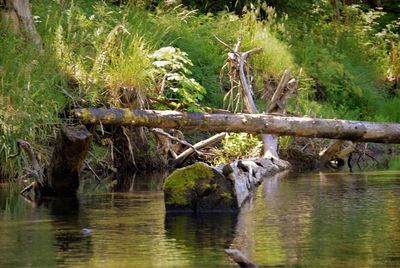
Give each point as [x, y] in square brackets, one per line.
[89, 58]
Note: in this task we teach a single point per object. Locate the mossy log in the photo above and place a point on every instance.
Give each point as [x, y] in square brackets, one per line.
[250, 123]
[201, 188]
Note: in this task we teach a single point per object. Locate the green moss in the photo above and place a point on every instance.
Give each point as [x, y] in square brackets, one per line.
[182, 181]
[227, 196]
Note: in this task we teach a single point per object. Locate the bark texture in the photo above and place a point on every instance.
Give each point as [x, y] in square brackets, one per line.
[62, 176]
[250, 123]
[17, 13]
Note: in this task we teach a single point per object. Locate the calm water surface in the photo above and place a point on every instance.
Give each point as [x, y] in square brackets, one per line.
[315, 220]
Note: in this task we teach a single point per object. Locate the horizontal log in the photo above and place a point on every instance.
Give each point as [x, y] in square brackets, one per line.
[250, 123]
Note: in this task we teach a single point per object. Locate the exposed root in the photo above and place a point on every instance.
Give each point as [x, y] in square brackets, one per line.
[124, 130]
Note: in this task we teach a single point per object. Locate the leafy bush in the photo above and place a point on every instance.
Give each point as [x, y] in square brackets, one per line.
[171, 74]
[238, 146]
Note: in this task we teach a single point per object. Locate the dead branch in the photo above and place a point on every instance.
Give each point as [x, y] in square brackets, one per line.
[248, 98]
[93, 172]
[224, 44]
[27, 188]
[329, 153]
[207, 142]
[129, 145]
[237, 256]
[35, 169]
[278, 92]
[183, 142]
[250, 123]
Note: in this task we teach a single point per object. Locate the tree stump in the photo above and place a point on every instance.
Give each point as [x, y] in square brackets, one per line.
[71, 149]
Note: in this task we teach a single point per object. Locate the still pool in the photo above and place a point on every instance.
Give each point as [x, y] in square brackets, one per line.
[312, 220]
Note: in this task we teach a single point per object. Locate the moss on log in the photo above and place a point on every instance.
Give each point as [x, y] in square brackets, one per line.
[250, 123]
[199, 188]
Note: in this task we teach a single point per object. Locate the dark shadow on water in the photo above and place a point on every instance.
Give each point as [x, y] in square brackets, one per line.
[205, 230]
[71, 230]
[149, 181]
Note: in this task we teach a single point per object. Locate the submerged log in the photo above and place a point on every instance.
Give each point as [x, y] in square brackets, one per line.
[250, 123]
[240, 258]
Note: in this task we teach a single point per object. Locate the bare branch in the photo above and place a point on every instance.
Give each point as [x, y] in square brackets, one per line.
[240, 258]
[207, 142]
[279, 90]
[224, 44]
[162, 132]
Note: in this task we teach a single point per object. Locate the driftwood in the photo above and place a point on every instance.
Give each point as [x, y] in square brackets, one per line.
[35, 170]
[61, 177]
[278, 92]
[241, 259]
[336, 151]
[159, 131]
[250, 123]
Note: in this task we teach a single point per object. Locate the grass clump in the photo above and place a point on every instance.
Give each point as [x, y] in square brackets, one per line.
[237, 146]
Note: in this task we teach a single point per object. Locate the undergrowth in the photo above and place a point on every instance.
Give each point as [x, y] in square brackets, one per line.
[98, 53]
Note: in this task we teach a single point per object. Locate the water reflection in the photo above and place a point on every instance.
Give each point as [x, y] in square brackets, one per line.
[69, 223]
[196, 230]
[313, 220]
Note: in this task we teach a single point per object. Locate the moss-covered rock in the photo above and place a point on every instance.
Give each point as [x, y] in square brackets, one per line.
[199, 188]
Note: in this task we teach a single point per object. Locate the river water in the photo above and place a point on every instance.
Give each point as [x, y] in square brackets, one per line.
[311, 220]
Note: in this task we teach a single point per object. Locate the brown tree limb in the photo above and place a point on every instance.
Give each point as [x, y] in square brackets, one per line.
[278, 92]
[204, 143]
[183, 142]
[224, 44]
[329, 152]
[35, 170]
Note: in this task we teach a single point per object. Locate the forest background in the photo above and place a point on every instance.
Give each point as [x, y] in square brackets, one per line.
[165, 55]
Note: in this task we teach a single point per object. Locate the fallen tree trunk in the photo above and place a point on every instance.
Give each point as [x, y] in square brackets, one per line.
[250, 123]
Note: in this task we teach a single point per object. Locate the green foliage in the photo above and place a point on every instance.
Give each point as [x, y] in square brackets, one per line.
[108, 61]
[99, 53]
[344, 60]
[236, 146]
[30, 97]
[171, 73]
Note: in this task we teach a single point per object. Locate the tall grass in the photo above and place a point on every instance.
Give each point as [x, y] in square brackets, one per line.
[30, 96]
[97, 54]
